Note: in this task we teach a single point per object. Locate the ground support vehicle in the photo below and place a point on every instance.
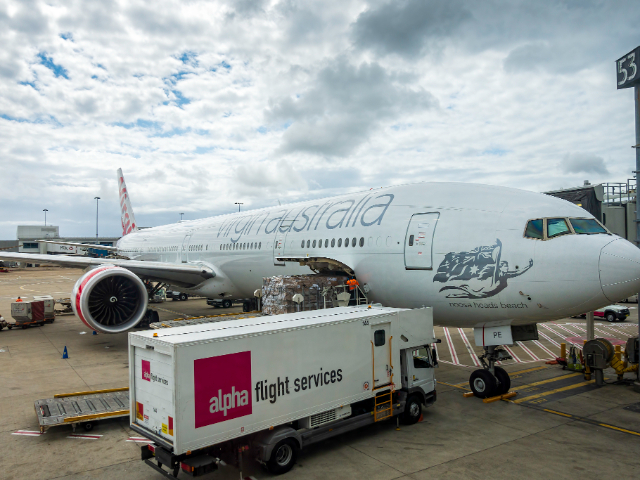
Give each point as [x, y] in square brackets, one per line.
[272, 385]
[220, 302]
[175, 295]
[4, 323]
[611, 313]
[82, 408]
[28, 314]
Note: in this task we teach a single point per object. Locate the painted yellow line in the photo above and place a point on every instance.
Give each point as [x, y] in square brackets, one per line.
[527, 370]
[620, 429]
[558, 413]
[549, 380]
[551, 392]
[60, 395]
[451, 385]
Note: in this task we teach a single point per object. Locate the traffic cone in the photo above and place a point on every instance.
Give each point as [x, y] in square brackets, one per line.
[65, 354]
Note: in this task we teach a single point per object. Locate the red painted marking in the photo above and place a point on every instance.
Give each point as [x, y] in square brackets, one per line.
[81, 287]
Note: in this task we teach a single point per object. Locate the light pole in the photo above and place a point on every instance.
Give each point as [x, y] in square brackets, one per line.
[239, 203]
[96, 199]
[181, 216]
[45, 216]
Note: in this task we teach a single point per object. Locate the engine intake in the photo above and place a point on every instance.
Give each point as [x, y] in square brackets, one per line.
[110, 299]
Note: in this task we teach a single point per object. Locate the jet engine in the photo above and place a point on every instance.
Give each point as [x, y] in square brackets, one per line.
[110, 299]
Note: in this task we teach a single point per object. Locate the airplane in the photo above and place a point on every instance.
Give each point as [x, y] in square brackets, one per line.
[495, 259]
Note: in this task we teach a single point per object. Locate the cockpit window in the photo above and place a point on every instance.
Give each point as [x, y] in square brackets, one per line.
[535, 229]
[586, 226]
[557, 227]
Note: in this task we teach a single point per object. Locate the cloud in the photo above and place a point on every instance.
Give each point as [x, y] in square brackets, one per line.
[583, 163]
[409, 27]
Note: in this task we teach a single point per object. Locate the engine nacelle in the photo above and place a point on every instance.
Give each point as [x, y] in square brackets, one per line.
[110, 299]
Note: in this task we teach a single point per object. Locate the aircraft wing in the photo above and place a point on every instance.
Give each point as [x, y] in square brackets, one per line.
[186, 274]
[83, 245]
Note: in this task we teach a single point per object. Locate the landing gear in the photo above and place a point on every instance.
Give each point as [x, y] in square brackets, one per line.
[491, 380]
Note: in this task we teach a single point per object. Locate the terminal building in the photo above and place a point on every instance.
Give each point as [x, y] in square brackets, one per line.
[614, 204]
[28, 236]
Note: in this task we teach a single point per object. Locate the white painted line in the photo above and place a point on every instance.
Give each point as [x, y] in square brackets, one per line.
[474, 357]
[29, 433]
[549, 352]
[139, 440]
[549, 339]
[515, 357]
[454, 356]
[560, 335]
[84, 437]
[529, 352]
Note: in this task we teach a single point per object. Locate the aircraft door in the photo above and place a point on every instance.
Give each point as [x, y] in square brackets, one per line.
[381, 351]
[419, 241]
[279, 243]
[185, 248]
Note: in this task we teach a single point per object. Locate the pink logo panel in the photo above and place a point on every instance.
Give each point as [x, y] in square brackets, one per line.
[222, 388]
[146, 370]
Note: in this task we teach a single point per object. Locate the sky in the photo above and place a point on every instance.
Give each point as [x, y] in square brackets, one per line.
[205, 103]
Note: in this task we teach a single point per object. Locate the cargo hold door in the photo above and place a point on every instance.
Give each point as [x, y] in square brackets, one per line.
[419, 241]
[381, 352]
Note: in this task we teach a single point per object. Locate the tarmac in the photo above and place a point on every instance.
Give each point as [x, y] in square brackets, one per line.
[558, 426]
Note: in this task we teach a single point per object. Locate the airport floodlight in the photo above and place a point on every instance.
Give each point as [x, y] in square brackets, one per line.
[239, 203]
[96, 199]
[181, 215]
[45, 216]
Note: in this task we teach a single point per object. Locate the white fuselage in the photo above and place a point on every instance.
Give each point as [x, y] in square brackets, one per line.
[507, 278]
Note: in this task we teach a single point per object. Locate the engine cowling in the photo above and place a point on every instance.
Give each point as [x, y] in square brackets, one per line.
[110, 299]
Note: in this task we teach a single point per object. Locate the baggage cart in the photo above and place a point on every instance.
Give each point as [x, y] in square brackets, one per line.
[28, 314]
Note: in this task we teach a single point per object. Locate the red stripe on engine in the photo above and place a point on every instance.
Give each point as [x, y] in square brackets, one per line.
[81, 287]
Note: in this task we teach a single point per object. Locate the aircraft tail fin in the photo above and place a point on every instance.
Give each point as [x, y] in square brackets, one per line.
[126, 215]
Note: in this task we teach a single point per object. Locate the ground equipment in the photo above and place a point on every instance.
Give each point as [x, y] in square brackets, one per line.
[27, 314]
[49, 307]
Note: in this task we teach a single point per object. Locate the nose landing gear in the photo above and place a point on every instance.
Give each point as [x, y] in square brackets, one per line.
[490, 380]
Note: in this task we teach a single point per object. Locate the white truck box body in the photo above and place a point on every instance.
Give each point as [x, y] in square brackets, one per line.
[200, 385]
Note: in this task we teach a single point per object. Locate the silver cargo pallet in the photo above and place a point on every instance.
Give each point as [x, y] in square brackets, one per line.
[84, 408]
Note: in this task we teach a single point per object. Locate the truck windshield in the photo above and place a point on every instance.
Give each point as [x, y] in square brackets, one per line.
[421, 358]
[586, 226]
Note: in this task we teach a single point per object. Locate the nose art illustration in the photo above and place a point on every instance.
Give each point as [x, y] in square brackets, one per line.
[476, 274]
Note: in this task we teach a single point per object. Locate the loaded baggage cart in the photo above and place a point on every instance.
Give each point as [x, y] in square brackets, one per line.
[27, 314]
[49, 307]
[270, 386]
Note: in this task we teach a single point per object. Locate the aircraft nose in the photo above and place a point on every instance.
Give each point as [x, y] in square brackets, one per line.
[619, 270]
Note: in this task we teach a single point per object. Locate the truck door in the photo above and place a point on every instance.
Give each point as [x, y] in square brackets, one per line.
[185, 248]
[382, 368]
[419, 368]
[419, 240]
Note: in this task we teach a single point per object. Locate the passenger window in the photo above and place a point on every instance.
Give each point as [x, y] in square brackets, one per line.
[308, 243]
[326, 243]
[557, 227]
[333, 242]
[302, 244]
[314, 244]
[378, 338]
[346, 242]
[534, 229]
[354, 240]
[320, 243]
[259, 245]
[339, 242]
[362, 241]
[411, 237]
[586, 226]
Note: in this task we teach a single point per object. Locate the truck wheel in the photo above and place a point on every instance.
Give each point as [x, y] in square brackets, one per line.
[1, 327]
[226, 303]
[183, 297]
[611, 317]
[88, 426]
[504, 382]
[283, 456]
[412, 411]
[483, 384]
[10, 327]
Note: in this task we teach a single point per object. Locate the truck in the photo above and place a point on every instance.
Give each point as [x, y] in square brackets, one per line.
[269, 386]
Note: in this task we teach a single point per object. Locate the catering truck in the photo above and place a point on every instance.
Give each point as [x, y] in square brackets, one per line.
[269, 386]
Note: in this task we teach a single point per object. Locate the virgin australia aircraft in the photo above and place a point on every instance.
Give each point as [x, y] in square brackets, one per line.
[496, 259]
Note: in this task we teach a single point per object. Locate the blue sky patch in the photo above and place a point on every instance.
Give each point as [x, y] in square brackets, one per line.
[499, 152]
[203, 150]
[67, 36]
[189, 58]
[58, 70]
[180, 98]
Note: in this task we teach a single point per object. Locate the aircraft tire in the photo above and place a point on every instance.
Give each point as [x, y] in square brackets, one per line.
[504, 382]
[483, 384]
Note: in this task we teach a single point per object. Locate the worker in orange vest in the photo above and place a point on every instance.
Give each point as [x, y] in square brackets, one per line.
[352, 283]
[19, 299]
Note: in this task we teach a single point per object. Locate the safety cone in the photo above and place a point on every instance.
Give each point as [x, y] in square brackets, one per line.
[94, 333]
[65, 354]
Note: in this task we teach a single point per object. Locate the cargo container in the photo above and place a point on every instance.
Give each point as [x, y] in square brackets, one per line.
[272, 385]
[49, 307]
[28, 314]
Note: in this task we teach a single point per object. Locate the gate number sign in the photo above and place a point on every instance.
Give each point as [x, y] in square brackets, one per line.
[627, 69]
